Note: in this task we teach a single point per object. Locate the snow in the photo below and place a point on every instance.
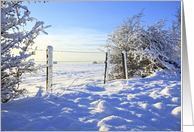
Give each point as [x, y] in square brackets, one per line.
[80, 101]
[177, 112]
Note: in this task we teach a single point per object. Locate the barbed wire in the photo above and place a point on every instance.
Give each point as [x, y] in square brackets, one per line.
[74, 86]
[71, 62]
[69, 51]
[66, 88]
[56, 80]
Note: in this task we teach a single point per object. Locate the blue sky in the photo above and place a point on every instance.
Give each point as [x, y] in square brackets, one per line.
[84, 25]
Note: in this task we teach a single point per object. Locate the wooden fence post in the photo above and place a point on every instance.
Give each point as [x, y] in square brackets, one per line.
[105, 68]
[49, 68]
[124, 65]
[107, 63]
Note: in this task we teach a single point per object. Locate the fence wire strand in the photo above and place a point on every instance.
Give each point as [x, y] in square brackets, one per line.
[69, 51]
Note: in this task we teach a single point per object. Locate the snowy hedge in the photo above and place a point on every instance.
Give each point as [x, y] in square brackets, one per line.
[148, 48]
[14, 17]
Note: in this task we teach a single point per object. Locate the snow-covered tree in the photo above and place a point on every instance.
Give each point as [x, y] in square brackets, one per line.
[14, 17]
[176, 29]
[160, 46]
[148, 48]
[124, 37]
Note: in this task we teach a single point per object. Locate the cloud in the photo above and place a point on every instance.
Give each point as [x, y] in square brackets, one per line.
[72, 39]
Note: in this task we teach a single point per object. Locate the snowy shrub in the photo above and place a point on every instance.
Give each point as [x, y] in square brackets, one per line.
[176, 29]
[95, 62]
[148, 48]
[125, 37]
[14, 17]
[160, 47]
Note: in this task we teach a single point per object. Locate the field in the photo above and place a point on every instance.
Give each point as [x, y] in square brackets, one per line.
[80, 101]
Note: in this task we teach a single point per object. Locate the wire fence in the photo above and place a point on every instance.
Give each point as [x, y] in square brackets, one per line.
[54, 79]
[70, 51]
[94, 75]
[26, 81]
[100, 61]
[71, 62]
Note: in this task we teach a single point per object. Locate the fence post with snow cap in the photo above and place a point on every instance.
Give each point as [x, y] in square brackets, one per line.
[49, 68]
[124, 58]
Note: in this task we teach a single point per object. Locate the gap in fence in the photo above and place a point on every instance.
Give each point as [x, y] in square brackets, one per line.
[70, 57]
[49, 71]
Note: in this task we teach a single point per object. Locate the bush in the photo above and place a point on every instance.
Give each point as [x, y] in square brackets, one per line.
[148, 48]
[14, 16]
[95, 62]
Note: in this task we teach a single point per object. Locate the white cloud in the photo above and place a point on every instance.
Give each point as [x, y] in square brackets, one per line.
[73, 39]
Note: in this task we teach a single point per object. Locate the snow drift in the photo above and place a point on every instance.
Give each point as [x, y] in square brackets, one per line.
[136, 104]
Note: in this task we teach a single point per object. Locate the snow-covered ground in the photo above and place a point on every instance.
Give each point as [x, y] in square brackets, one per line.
[137, 104]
